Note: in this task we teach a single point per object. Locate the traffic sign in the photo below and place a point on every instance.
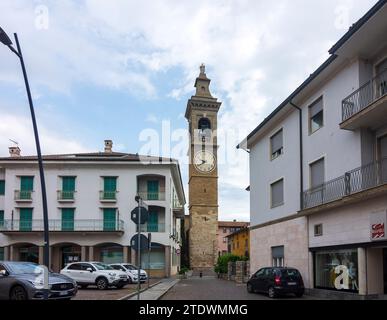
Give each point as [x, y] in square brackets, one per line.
[143, 242]
[143, 217]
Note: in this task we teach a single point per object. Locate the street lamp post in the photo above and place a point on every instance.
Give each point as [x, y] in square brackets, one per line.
[7, 41]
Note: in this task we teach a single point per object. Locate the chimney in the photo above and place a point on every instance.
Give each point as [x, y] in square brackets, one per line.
[14, 151]
[108, 146]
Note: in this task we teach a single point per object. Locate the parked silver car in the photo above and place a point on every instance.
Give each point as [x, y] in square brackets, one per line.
[23, 281]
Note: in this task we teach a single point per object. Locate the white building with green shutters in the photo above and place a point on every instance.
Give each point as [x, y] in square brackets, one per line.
[90, 197]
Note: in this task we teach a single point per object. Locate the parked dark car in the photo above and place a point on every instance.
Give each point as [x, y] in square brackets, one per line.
[22, 281]
[276, 281]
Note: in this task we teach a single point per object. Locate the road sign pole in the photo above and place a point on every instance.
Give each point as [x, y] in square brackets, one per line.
[138, 250]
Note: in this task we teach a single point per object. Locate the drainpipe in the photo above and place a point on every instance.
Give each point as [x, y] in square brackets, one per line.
[301, 153]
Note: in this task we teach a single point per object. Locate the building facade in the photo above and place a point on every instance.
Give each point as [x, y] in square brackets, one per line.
[201, 113]
[90, 197]
[238, 243]
[318, 169]
[225, 228]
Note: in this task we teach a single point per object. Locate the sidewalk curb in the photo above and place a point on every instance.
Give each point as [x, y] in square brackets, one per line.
[130, 295]
[166, 291]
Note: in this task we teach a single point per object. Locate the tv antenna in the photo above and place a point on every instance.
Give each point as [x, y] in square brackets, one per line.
[14, 142]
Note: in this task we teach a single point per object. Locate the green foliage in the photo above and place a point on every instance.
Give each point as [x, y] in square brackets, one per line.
[183, 270]
[222, 263]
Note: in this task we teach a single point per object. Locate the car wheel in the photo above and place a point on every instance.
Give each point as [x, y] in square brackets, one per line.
[250, 288]
[102, 284]
[18, 293]
[272, 293]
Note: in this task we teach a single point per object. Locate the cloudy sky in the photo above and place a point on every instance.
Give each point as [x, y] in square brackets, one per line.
[124, 69]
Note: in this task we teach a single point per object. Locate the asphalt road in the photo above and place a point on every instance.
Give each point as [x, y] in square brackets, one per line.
[215, 289]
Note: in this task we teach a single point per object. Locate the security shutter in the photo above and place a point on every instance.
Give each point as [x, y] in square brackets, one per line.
[317, 173]
[277, 141]
[277, 193]
[316, 107]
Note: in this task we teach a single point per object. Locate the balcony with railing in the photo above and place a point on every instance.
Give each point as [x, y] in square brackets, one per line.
[178, 208]
[152, 227]
[20, 226]
[351, 183]
[66, 196]
[151, 187]
[367, 106]
[108, 196]
[23, 195]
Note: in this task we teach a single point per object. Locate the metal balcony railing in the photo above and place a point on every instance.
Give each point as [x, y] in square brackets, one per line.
[156, 227]
[357, 180]
[23, 195]
[63, 225]
[364, 96]
[152, 196]
[65, 195]
[108, 195]
[177, 205]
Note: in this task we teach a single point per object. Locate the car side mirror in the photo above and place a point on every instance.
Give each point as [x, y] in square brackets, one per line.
[3, 273]
[90, 269]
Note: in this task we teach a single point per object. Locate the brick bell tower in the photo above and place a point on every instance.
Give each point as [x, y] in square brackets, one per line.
[201, 113]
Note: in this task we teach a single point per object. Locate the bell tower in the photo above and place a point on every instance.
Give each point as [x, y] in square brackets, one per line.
[201, 113]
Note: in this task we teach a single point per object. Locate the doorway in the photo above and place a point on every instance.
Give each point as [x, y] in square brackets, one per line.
[70, 254]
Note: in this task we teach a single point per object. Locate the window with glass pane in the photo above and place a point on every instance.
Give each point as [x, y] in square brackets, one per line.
[25, 219]
[110, 188]
[278, 256]
[109, 219]
[1, 219]
[327, 261]
[26, 187]
[316, 116]
[317, 174]
[68, 187]
[276, 144]
[68, 219]
[277, 193]
[2, 187]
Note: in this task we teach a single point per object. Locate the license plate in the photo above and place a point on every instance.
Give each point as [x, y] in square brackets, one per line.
[63, 293]
[292, 283]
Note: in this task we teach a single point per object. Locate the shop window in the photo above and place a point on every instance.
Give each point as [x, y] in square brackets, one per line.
[278, 257]
[318, 230]
[325, 269]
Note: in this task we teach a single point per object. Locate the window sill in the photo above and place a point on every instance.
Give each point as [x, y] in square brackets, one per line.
[277, 205]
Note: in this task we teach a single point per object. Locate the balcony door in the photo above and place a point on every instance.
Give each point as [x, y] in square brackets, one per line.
[109, 219]
[68, 187]
[153, 221]
[381, 71]
[68, 219]
[382, 157]
[25, 219]
[153, 190]
[26, 187]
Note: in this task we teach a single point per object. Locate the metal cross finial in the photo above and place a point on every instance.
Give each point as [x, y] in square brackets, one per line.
[202, 68]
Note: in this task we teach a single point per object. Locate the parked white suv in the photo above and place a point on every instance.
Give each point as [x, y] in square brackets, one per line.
[95, 273]
[131, 271]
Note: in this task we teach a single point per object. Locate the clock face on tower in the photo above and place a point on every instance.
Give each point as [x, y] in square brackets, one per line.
[204, 161]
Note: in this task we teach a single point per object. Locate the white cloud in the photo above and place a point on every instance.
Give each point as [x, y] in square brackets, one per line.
[152, 118]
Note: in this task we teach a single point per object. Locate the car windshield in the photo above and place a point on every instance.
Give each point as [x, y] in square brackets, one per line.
[129, 267]
[102, 266]
[24, 267]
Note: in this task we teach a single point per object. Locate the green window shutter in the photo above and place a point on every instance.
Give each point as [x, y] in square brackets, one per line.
[68, 219]
[26, 187]
[1, 219]
[2, 187]
[153, 189]
[1, 254]
[25, 219]
[68, 187]
[110, 187]
[109, 219]
[153, 221]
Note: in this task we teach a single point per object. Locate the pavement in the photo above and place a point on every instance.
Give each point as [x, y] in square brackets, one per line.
[92, 293]
[211, 288]
[157, 290]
